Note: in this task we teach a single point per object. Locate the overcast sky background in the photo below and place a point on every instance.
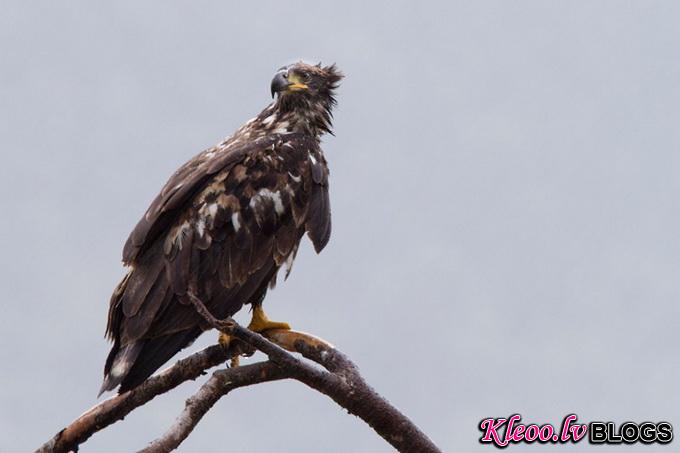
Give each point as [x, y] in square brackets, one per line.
[504, 184]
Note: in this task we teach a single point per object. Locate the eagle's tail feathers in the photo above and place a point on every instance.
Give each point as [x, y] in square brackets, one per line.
[154, 353]
[118, 364]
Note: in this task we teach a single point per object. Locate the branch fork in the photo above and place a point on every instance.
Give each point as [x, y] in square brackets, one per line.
[340, 380]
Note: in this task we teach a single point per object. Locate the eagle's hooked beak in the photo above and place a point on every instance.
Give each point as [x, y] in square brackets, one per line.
[284, 81]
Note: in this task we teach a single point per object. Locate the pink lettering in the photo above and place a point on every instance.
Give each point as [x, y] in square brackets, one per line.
[503, 431]
[491, 434]
[531, 433]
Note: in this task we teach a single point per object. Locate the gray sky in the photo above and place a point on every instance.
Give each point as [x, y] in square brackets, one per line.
[504, 179]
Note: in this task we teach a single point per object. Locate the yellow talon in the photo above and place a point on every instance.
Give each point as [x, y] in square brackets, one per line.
[224, 340]
[261, 322]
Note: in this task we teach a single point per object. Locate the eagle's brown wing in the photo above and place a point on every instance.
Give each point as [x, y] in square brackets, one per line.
[221, 227]
[181, 186]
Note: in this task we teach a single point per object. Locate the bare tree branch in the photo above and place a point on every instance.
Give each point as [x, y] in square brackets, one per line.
[349, 389]
[113, 409]
[343, 382]
[340, 381]
[219, 384]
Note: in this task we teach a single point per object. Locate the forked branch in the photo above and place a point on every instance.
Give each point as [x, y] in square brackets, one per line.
[340, 381]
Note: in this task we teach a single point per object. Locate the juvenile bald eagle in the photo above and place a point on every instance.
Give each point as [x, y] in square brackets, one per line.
[223, 225]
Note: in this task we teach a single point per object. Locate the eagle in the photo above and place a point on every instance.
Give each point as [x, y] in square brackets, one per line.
[222, 227]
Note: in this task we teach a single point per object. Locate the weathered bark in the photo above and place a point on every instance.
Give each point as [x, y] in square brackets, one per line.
[340, 380]
[219, 384]
[115, 408]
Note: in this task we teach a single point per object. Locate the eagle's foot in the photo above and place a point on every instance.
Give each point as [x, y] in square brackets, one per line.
[224, 340]
[261, 322]
[237, 347]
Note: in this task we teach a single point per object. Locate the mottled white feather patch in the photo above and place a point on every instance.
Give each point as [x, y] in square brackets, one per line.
[235, 221]
[119, 368]
[275, 197]
[269, 120]
[200, 227]
[282, 128]
[176, 236]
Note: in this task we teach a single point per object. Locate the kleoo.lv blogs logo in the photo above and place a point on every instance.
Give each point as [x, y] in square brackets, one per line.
[501, 432]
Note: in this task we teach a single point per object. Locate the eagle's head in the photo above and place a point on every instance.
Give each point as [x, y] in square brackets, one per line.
[307, 91]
